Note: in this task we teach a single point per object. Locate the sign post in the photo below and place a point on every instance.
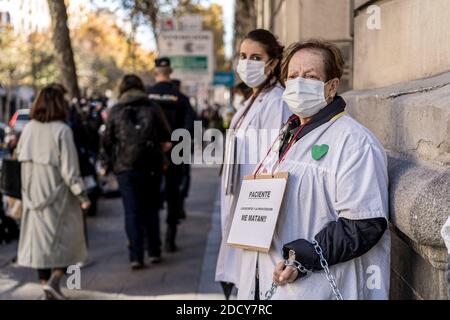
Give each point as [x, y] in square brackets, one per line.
[224, 79]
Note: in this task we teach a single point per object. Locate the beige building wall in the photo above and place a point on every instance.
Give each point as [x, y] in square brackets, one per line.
[299, 20]
[295, 20]
[413, 42]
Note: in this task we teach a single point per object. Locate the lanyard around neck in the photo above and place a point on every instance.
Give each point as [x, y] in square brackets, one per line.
[291, 143]
[284, 154]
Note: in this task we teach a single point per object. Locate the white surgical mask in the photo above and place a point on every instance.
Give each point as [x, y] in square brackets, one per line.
[305, 97]
[252, 72]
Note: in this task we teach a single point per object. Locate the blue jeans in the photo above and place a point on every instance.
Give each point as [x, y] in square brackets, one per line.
[141, 199]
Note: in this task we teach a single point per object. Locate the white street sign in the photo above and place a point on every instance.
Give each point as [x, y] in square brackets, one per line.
[191, 23]
[191, 55]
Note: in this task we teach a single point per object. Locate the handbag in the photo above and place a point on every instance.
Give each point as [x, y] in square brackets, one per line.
[10, 181]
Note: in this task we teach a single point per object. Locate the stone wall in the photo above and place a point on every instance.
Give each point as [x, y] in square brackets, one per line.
[299, 20]
[403, 96]
[401, 81]
[412, 42]
[415, 129]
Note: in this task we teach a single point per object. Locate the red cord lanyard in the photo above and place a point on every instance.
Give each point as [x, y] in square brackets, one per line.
[289, 146]
[284, 154]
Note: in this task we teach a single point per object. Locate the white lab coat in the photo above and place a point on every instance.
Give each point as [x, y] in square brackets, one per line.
[268, 112]
[351, 182]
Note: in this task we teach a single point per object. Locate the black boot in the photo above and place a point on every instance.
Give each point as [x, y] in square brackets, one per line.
[170, 239]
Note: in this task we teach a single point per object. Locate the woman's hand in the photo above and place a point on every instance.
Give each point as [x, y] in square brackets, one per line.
[85, 205]
[284, 275]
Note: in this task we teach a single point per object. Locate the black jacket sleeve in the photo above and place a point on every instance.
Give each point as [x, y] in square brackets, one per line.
[164, 132]
[190, 116]
[340, 240]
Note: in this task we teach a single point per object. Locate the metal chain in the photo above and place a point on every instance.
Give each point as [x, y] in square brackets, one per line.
[288, 263]
[271, 291]
[330, 277]
[295, 264]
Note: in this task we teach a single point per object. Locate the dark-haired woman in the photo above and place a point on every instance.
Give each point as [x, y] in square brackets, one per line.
[53, 193]
[261, 117]
[332, 227]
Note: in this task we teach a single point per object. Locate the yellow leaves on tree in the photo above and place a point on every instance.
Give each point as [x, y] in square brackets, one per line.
[104, 52]
[213, 21]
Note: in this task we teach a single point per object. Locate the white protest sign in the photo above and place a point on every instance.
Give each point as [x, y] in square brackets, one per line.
[257, 212]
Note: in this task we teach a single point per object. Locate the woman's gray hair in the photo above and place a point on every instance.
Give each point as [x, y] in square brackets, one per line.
[332, 57]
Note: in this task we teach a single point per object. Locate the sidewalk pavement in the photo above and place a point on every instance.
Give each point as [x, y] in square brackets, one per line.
[187, 274]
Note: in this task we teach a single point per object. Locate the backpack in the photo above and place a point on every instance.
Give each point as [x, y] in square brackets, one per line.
[137, 141]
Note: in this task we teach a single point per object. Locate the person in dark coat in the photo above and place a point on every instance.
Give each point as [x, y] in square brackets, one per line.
[177, 110]
[137, 135]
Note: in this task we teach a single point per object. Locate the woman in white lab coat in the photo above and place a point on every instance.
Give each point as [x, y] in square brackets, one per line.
[261, 116]
[336, 200]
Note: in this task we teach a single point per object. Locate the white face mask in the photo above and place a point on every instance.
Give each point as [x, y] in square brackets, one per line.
[305, 97]
[251, 72]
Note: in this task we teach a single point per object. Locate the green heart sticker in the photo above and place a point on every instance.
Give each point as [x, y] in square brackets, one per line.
[318, 152]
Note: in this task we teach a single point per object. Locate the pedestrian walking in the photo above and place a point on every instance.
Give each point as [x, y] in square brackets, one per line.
[136, 136]
[52, 236]
[260, 69]
[331, 239]
[177, 111]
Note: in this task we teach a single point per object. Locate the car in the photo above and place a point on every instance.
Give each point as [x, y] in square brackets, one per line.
[15, 127]
[20, 118]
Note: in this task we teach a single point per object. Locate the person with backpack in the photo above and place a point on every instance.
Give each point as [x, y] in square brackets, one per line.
[136, 136]
[176, 109]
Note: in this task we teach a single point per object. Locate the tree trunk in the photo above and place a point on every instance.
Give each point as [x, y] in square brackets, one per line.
[9, 95]
[245, 21]
[63, 47]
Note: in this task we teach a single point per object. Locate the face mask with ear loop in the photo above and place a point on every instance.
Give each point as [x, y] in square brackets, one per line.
[252, 72]
[305, 97]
